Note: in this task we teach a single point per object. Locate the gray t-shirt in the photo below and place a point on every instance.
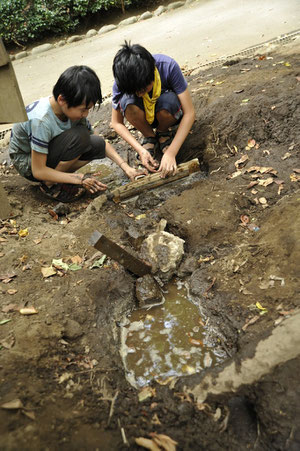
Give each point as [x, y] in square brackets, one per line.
[36, 133]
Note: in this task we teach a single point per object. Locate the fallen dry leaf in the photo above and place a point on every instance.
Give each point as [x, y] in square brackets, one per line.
[296, 170]
[147, 443]
[12, 405]
[28, 311]
[250, 321]
[23, 232]
[145, 393]
[251, 184]
[266, 182]
[12, 291]
[241, 161]
[164, 441]
[263, 201]
[48, 271]
[10, 308]
[295, 178]
[195, 342]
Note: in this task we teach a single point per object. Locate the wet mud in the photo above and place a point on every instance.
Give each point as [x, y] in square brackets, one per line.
[239, 218]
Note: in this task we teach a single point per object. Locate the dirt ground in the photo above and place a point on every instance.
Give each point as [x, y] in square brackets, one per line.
[239, 218]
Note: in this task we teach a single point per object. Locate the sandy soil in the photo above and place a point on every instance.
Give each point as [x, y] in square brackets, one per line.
[241, 211]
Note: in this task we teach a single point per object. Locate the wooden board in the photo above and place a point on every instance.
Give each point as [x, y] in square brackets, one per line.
[116, 252]
[12, 107]
[153, 181]
[5, 208]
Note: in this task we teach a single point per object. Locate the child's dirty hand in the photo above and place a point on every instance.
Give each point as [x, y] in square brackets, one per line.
[133, 173]
[148, 161]
[91, 184]
[167, 166]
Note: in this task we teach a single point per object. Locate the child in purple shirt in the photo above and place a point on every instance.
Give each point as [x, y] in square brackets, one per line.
[151, 93]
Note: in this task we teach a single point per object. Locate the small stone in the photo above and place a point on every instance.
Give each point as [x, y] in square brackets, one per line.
[175, 5]
[159, 10]
[187, 267]
[91, 33]
[148, 291]
[74, 38]
[72, 329]
[41, 48]
[146, 15]
[128, 21]
[107, 28]
[21, 55]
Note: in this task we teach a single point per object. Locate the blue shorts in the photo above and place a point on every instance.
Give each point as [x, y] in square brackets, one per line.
[168, 100]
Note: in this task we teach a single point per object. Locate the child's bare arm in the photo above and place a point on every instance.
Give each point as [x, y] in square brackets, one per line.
[114, 156]
[168, 162]
[118, 125]
[42, 172]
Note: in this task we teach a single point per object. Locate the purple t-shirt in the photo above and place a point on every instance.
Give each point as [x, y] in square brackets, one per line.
[170, 75]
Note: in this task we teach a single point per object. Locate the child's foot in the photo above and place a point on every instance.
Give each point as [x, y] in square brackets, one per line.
[150, 144]
[164, 139]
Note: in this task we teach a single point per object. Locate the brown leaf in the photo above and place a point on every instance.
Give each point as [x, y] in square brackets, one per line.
[10, 308]
[147, 443]
[164, 441]
[195, 342]
[29, 414]
[7, 277]
[28, 311]
[251, 184]
[250, 321]
[296, 170]
[11, 291]
[12, 405]
[239, 163]
[48, 272]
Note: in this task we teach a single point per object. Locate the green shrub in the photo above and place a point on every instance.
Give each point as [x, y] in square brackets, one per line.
[22, 21]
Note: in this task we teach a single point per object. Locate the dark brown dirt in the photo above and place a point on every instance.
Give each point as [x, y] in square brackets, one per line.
[63, 362]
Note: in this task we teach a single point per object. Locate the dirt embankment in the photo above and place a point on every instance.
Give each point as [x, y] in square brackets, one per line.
[240, 222]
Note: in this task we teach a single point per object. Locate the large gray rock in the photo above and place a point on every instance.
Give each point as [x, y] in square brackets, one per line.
[175, 5]
[91, 33]
[159, 10]
[21, 55]
[163, 251]
[107, 28]
[41, 48]
[74, 38]
[146, 15]
[128, 21]
[148, 291]
[61, 43]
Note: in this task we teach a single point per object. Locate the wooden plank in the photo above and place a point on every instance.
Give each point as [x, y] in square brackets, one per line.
[12, 107]
[4, 58]
[153, 181]
[116, 252]
[5, 208]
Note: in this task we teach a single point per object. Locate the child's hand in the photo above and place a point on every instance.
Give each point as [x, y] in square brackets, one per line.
[167, 166]
[91, 184]
[132, 173]
[148, 161]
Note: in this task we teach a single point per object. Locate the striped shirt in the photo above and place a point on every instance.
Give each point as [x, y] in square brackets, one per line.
[36, 133]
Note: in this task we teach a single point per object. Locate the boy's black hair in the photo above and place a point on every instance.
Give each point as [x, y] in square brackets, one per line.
[78, 85]
[133, 68]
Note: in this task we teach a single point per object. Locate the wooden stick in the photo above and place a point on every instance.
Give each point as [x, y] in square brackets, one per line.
[153, 181]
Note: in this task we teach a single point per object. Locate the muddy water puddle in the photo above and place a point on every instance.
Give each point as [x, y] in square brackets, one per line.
[167, 341]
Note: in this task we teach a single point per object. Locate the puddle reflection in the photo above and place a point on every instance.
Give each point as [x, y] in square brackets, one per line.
[167, 340]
